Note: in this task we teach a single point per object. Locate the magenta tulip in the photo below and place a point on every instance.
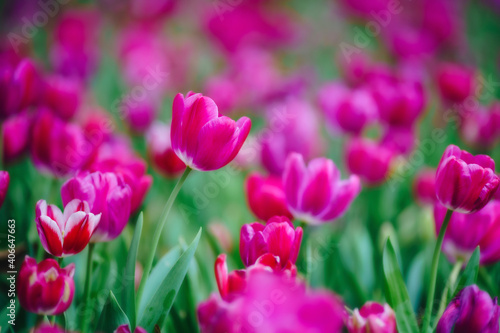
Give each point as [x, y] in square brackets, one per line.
[229, 284]
[315, 194]
[465, 183]
[45, 288]
[126, 329]
[107, 194]
[277, 237]
[481, 127]
[266, 196]
[62, 96]
[68, 233]
[455, 82]
[49, 328]
[467, 231]
[140, 115]
[161, 153]
[16, 131]
[4, 185]
[372, 317]
[472, 310]
[202, 138]
[424, 186]
[369, 160]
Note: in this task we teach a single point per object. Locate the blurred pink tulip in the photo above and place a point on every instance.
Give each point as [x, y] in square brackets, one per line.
[161, 153]
[126, 329]
[369, 160]
[68, 233]
[45, 288]
[16, 131]
[202, 138]
[455, 82]
[4, 185]
[314, 193]
[465, 183]
[424, 187]
[372, 317]
[63, 96]
[481, 127]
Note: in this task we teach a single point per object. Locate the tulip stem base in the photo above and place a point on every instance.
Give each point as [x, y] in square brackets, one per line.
[86, 290]
[158, 232]
[434, 269]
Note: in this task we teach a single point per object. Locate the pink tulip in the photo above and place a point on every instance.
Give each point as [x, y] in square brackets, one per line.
[467, 231]
[315, 194]
[293, 126]
[369, 160]
[57, 146]
[472, 310]
[266, 196]
[107, 194]
[372, 318]
[465, 183]
[117, 156]
[4, 185]
[161, 153]
[229, 284]
[126, 329]
[16, 135]
[49, 328]
[68, 233]
[63, 96]
[399, 139]
[45, 288]
[424, 187]
[481, 128]
[277, 237]
[202, 138]
[455, 82]
[347, 110]
[140, 115]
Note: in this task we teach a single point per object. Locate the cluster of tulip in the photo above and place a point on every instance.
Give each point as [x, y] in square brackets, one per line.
[96, 145]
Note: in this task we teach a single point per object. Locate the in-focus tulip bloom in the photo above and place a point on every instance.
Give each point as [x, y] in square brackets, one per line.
[16, 135]
[202, 138]
[424, 186]
[57, 146]
[160, 151]
[465, 183]
[455, 82]
[108, 195]
[117, 156]
[126, 329]
[472, 310]
[277, 237]
[372, 317]
[315, 194]
[45, 288]
[266, 196]
[347, 110]
[65, 234]
[369, 160]
[4, 185]
[467, 231]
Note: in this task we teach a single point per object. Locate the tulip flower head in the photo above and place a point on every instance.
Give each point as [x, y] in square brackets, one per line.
[266, 196]
[465, 183]
[65, 234]
[4, 185]
[202, 138]
[160, 151]
[472, 310]
[45, 288]
[16, 135]
[315, 194]
[277, 238]
[126, 329]
[49, 328]
[424, 187]
[372, 317]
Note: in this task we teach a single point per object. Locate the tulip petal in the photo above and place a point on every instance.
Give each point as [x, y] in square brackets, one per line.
[345, 192]
[280, 240]
[77, 232]
[50, 235]
[322, 177]
[293, 175]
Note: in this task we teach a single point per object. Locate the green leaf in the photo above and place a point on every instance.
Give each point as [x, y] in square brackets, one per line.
[159, 305]
[129, 276]
[396, 293]
[112, 316]
[469, 276]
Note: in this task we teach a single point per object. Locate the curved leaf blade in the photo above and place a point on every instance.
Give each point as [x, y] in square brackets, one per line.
[112, 316]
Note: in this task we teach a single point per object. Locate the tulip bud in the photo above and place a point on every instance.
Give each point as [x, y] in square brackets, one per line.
[472, 310]
[107, 195]
[45, 288]
[65, 234]
[465, 183]
[266, 196]
[455, 82]
[201, 138]
[160, 151]
[4, 185]
[315, 194]
[126, 329]
[277, 237]
[372, 318]
[369, 160]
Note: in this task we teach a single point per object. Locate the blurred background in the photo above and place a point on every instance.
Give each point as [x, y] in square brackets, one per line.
[380, 87]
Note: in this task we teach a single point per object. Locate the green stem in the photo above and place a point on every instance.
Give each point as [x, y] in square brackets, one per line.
[434, 269]
[86, 290]
[158, 231]
[451, 281]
